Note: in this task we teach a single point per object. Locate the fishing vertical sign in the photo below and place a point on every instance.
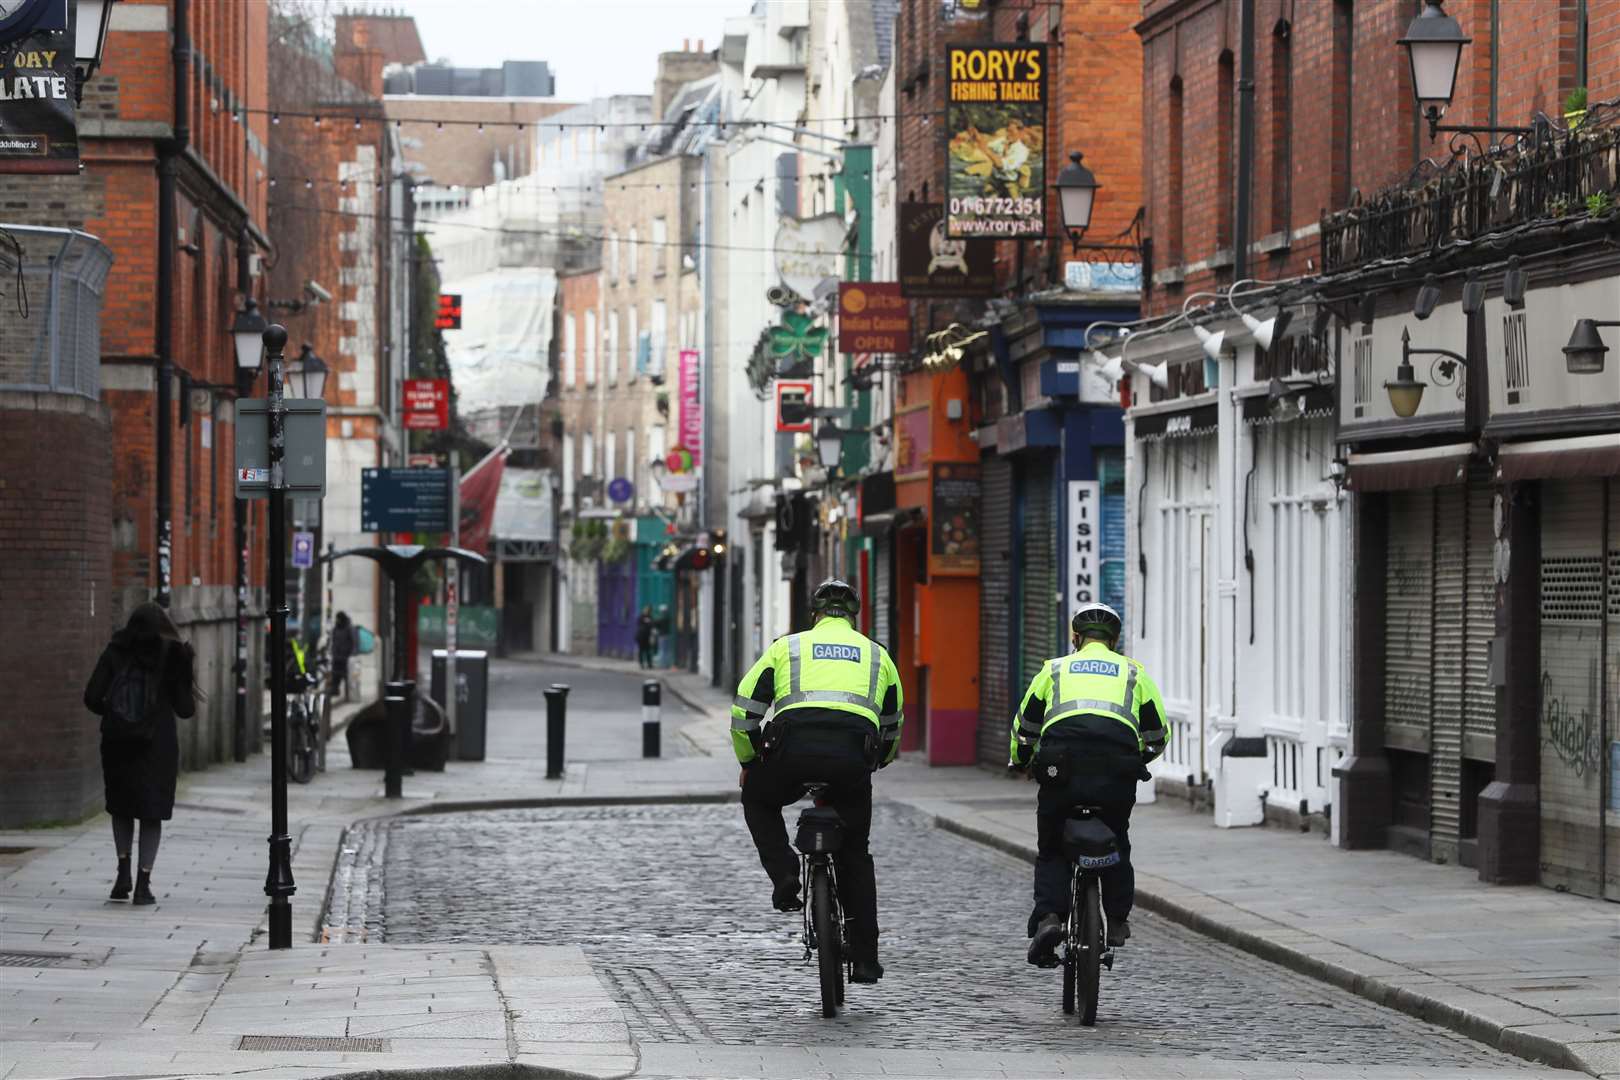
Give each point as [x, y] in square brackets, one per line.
[995, 121]
[39, 131]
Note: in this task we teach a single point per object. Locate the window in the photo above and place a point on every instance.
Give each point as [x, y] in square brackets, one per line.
[630, 344]
[613, 257]
[1173, 163]
[610, 347]
[1583, 43]
[632, 255]
[570, 342]
[660, 338]
[590, 343]
[568, 469]
[1225, 112]
[659, 253]
[1282, 127]
[1343, 108]
[632, 467]
[587, 455]
[610, 463]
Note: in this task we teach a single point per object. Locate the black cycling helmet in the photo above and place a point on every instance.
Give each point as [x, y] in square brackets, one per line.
[835, 597]
[1097, 618]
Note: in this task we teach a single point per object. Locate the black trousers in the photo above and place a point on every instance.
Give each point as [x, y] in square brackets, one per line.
[1114, 797]
[839, 761]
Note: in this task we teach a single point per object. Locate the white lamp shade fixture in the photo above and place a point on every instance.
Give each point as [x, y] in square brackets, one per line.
[90, 34]
[248, 334]
[1111, 368]
[306, 376]
[1158, 374]
[829, 445]
[1077, 190]
[1262, 329]
[1210, 342]
[1434, 43]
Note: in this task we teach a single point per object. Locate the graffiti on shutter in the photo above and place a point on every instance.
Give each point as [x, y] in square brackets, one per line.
[997, 699]
[1448, 672]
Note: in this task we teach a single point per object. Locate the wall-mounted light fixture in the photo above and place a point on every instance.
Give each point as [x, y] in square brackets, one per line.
[1077, 197]
[1584, 353]
[1406, 389]
[1434, 43]
[1428, 297]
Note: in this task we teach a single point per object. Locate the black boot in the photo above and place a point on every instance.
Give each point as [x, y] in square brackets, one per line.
[1048, 935]
[143, 889]
[121, 886]
[865, 970]
[785, 895]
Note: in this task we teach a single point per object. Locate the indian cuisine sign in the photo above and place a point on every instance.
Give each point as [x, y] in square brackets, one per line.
[995, 116]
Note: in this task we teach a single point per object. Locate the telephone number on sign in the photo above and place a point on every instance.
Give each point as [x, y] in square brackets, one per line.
[995, 204]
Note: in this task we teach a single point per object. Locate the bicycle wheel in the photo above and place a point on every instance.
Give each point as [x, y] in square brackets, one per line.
[828, 951]
[300, 751]
[843, 937]
[1091, 949]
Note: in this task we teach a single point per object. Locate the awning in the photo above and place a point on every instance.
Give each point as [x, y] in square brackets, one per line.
[1434, 466]
[1586, 455]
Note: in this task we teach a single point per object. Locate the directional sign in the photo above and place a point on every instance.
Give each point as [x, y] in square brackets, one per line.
[303, 550]
[405, 500]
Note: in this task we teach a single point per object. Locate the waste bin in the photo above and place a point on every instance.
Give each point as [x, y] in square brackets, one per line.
[472, 698]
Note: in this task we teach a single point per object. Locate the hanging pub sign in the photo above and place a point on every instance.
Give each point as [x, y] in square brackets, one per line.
[39, 131]
[873, 318]
[691, 410]
[953, 519]
[995, 121]
[793, 406]
[933, 264]
[448, 316]
[427, 404]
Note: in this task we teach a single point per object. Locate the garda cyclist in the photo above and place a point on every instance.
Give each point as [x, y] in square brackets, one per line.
[1090, 723]
[837, 701]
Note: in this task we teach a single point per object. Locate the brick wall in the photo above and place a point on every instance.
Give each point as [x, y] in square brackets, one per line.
[54, 492]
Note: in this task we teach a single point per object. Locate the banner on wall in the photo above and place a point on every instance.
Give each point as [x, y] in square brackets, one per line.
[1083, 563]
[39, 129]
[690, 417]
[995, 124]
[954, 519]
[934, 264]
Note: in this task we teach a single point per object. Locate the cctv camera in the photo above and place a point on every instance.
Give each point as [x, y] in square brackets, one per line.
[317, 294]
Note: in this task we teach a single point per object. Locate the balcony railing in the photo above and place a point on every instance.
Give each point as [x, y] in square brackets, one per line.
[1554, 174]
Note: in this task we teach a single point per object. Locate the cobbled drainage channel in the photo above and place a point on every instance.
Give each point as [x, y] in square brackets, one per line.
[671, 906]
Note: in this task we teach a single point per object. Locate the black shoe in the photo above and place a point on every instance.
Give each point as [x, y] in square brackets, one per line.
[865, 971]
[143, 889]
[1118, 933]
[121, 885]
[785, 897]
[1048, 935]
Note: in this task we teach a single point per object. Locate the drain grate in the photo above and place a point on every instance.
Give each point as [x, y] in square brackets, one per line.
[36, 960]
[332, 1044]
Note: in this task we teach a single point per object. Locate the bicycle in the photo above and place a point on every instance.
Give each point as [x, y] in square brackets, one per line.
[819, 836]
[305, 750]
[1092, 847]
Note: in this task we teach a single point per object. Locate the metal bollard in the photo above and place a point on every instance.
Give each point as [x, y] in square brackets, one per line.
[396, 732]
[652, 708]
[556, 723]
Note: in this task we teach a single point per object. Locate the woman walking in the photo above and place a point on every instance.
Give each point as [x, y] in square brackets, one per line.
[145, 678]
[646, 637]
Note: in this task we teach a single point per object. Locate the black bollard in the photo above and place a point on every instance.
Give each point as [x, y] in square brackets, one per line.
[652, 708]
[396, 730]
[556, 722]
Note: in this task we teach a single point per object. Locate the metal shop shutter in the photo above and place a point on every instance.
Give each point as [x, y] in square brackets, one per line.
[1479, 696]
[1445, 730]
[883, 590]
[1039, 570]
[1408, 611]
[1572, 623]
[997, 700]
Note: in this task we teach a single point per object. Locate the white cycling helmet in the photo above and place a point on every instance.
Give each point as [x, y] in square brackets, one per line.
[1097, 617]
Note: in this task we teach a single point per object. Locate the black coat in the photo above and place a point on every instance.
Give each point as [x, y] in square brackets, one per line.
[140, 776]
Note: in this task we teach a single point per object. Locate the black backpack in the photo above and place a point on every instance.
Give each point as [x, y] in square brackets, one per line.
[128, 712]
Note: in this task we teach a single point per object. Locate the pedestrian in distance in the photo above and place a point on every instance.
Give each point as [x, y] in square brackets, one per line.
[342, 649]
[646, 637]
[838, 703]
[1088, 726]
[145, 678]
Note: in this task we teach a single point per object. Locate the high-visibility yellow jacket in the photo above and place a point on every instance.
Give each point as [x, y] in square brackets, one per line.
[1096, 692]
[829, 667]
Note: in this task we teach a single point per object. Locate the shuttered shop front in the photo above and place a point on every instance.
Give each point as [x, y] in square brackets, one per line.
[996, 696]
[1580, 681]
[1037, 550]
[883, 591]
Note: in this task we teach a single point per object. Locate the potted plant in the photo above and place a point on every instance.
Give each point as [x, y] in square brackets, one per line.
[1575, 107]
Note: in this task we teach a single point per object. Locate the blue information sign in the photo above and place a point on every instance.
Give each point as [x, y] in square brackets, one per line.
[405, 500]
[620, 489]
[303, 551]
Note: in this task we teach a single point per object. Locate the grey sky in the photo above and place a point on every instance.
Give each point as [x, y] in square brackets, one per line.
[595, 46]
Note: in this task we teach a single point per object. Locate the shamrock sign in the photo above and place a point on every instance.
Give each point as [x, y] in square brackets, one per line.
[796, 342]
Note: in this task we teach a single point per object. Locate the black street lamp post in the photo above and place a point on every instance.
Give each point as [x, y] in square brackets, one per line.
[247, 334]
[278, 883]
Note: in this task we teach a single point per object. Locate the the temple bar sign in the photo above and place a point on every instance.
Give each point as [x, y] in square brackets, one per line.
[1083, 561]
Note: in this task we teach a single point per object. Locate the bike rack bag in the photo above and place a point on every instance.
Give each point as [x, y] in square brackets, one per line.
[1090, 843]
[820, 831]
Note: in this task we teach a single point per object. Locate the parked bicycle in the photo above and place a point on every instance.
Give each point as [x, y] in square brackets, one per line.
[306, 711]
[1092, 847]
[819, 836]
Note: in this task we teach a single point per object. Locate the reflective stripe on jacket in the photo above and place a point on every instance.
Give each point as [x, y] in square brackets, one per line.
[831, 666]
[1096, 681]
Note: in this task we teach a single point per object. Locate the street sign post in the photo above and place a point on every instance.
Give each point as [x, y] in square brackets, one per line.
[405, 500]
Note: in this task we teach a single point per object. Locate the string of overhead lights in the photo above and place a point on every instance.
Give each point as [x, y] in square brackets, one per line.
[310, 183]
[358, 122]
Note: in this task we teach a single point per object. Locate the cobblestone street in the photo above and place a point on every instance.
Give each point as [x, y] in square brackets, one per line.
[670, 905]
